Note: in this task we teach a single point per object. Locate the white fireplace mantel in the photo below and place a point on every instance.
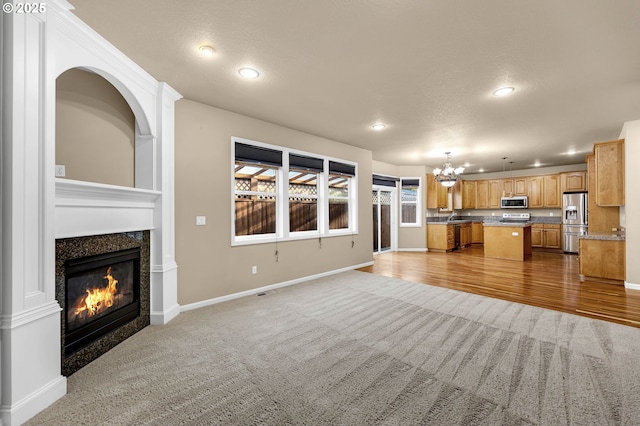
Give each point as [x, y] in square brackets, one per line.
[87, 208]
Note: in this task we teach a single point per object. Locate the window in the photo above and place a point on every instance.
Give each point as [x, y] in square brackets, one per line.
[282, 194]
[304, 174]
[340, 176]
[256, 171]
[410, 207]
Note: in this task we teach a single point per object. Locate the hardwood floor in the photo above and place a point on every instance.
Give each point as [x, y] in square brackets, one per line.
[548, 280]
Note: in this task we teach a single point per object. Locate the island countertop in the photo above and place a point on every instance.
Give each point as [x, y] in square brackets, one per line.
[508, 224]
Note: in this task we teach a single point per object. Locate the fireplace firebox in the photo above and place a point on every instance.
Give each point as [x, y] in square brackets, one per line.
[102, 293]
[103, 287]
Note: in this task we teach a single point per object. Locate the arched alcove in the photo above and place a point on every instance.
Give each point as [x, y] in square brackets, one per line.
[95, 130]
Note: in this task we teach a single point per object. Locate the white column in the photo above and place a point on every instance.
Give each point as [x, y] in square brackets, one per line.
[164, 270]
[630, 218]
[30, 378]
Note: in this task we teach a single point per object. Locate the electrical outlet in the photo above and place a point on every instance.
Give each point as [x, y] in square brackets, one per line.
[254, 270]
[201, 220]
[60, 170]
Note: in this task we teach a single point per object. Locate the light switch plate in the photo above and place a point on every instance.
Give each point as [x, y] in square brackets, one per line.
[201, 220]
[60, 170]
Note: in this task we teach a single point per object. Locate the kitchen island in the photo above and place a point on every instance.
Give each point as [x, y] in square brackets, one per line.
[503, 240]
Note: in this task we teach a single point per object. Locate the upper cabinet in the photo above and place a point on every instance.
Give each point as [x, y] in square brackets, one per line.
[520, 186]
[544, 191]
[508, 189]
[573, 181]
[535, 187]
[609, 167]
[468, 194]
[482, 194]
[464, 195]
[495, 191]
[601, 219]
[551, 192]
[437, 195]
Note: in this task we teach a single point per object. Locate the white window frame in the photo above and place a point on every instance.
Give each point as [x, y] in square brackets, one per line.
[352, 200]
[282, 200]
[418, 203]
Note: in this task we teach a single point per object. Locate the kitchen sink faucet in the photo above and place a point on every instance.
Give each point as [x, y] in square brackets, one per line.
[451, 216]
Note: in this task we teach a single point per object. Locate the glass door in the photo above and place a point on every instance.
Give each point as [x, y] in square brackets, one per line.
[383, 219]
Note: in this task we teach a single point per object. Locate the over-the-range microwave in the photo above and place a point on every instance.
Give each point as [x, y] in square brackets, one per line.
[519, 202]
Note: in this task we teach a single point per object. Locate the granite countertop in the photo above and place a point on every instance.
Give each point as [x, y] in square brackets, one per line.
[508, 224]
[491, 220]
[608, 237]
[453, 222]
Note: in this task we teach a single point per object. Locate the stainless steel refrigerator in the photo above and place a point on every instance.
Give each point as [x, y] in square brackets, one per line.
[574, 219]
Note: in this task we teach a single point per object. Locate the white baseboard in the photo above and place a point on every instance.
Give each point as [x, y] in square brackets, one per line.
[421, 250]
[251, 292]
[631, 286]
[34, 403]
[161, 318]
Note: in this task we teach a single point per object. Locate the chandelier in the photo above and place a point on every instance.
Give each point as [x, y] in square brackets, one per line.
[447, 175]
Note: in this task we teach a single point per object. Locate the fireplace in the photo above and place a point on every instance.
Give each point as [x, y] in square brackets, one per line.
[103, 287]
[102, 293]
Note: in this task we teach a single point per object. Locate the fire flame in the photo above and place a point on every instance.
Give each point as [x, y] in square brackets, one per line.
[99, 299]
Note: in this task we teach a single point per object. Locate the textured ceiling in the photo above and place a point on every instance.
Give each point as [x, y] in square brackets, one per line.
[426, 69]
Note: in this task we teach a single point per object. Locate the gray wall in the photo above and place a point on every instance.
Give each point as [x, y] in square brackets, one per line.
[209, 266]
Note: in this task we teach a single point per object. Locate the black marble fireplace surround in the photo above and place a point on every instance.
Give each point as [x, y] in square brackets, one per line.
[129, 319]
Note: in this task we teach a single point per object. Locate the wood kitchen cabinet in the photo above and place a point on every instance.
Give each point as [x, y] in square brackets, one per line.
[535, 191]
[551, 188]
[482, 194]
[544, 191]
[495, 192]
[477, 233]
[602, 259]
[609, 168]
[468, 194]
[552, 236]
[440, 237]
[437, 195]
[465, 234]
[512, 187]
[601, 219]
[520, 186]
[546, 235]
[536, 235]
[506, 187]
[464, 195]
[573, 181]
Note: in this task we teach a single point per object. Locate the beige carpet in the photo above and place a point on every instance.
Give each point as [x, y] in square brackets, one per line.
[362, 349]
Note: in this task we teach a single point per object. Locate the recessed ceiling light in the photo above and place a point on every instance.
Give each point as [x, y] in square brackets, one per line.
[207, 50]
[378, 126]
[503, 91]
[536, 164]
[481, 170]
[248, 72]
[572, 152]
